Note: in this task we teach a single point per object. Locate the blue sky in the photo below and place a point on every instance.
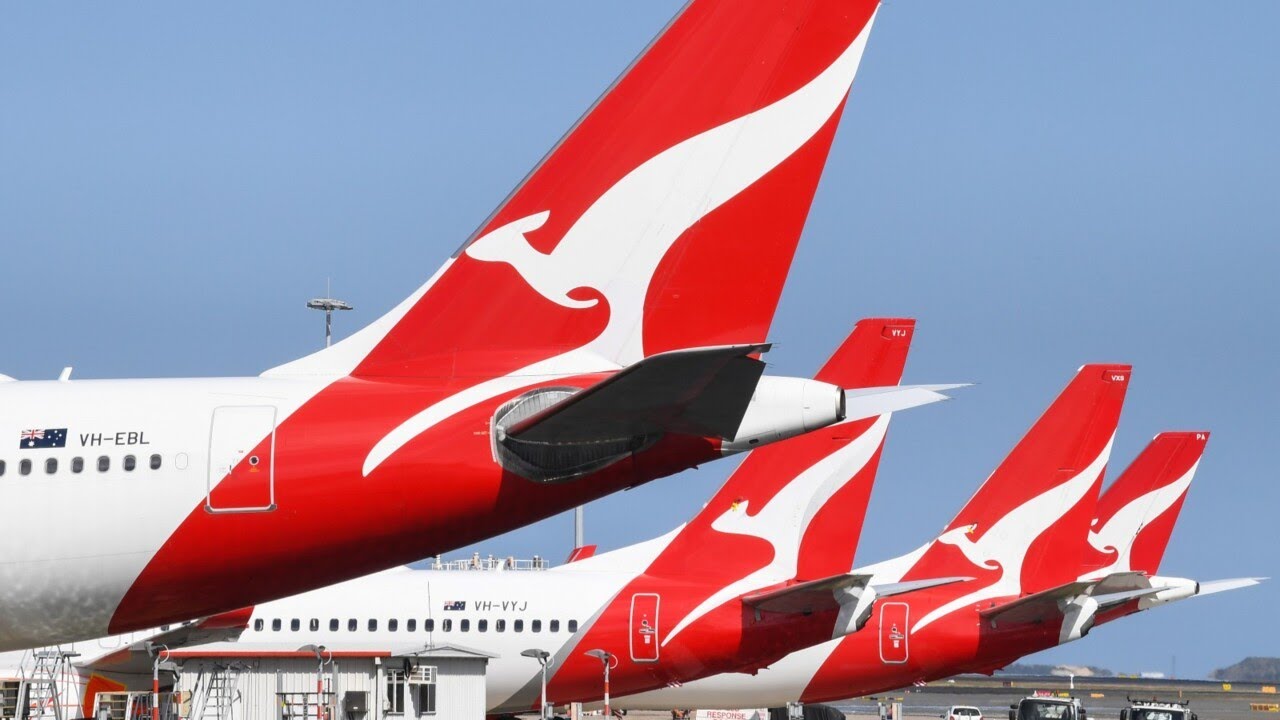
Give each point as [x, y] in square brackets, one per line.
[1041, 185]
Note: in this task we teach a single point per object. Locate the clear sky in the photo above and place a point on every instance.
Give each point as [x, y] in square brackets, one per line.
[1041, 184]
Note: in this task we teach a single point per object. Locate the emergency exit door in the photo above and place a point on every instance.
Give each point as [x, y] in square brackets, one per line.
[894, 634]
[242, 459]
[644, 627]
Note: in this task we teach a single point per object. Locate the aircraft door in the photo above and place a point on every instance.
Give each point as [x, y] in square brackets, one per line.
[894, 635]
[242, 459]
[644, 627]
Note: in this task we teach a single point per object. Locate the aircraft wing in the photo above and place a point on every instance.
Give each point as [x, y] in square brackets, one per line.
[6, 378]
[702, 392]
[136, 657]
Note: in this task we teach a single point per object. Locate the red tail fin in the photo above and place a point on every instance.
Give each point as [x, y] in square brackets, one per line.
[666, 218]
[1031, 514]
[801, 500]
[1136, 514]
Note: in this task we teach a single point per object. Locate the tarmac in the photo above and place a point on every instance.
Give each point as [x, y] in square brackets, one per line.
[1103, 698]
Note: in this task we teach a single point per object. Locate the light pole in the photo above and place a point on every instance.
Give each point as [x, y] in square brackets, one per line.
[544, 659]
[609, 660]
[328, 305]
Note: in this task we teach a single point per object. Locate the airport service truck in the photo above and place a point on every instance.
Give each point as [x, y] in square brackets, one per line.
[1156, 710]
[1046, 706]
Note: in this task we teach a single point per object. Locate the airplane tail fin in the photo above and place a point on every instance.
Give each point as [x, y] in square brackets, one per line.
[1136, 514]
[1027, 522]
[666, 218]
[801, 500]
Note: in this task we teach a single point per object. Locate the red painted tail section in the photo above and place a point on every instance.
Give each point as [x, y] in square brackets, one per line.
[666, 218]
[829, 520]
[1137, 513]
[1034, 510]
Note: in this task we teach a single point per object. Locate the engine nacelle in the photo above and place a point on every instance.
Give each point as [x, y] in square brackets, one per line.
[784, 407]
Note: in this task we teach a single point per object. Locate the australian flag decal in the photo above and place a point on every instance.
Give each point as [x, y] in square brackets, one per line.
[33, 439]
[456, 605]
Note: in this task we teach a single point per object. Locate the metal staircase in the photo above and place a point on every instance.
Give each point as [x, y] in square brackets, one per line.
[215, 694]
[38, 695]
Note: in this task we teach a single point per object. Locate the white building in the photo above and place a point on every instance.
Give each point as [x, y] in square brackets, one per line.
[233, 681]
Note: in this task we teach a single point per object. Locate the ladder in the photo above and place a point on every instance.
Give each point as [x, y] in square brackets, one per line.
[38, 695]
[216, 693]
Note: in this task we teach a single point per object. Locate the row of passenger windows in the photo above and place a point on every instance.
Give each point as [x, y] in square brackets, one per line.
[411, 625]
[130, 464]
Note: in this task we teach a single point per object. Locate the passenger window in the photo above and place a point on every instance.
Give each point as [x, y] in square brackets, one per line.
[446, 626]
[464, 626]
[130, 462]
[555, 626]
[77, 465]
[315, 624]
[295, 625]
[104, 463]
[275, 625]
[333, 624]
[410, 625]
[258, 624]
[51, 466]
[500, 625]
[351, 625]
[429, 625]
[155, 462]
[373, 625]
[24, 467]
[393, 625]
[536, 626]
[482, 625]
[573, 626]
[1, 468]
[518, 626]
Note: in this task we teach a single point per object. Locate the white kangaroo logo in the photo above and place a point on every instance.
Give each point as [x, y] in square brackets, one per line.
[784, 520]
[1005, 544]
[1121, 530]
[616, 245]
[618, 242]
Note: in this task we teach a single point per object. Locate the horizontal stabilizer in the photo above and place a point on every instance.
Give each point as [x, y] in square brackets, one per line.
[807, 597]
[136, 657]
[1106, 592]
[902, 588]
[702, 392]
[1217, 586]
[1036, 607]
[869, 402]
